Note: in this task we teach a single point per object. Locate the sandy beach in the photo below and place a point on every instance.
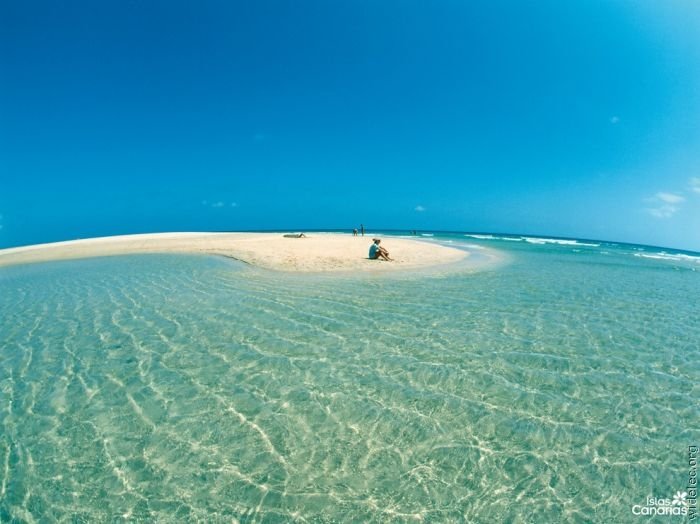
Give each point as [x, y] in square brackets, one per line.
[317, 252]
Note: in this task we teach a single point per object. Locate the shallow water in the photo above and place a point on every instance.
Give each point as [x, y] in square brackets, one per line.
[560, 386]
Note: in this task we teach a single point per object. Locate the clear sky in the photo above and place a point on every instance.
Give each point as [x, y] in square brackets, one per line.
[577, 119]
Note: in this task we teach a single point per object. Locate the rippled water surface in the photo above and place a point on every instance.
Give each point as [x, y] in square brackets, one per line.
[560, 386]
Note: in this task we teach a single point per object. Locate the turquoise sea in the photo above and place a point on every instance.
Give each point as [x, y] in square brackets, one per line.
[561, 384]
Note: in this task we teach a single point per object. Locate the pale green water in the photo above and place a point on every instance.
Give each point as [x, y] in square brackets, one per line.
[560, 387]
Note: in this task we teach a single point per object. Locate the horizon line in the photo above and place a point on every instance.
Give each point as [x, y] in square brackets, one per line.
[375, 229]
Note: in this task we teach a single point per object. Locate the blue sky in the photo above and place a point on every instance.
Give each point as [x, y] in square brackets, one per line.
[577, 119]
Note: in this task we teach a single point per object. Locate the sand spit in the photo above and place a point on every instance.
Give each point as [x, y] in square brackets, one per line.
[317, 252]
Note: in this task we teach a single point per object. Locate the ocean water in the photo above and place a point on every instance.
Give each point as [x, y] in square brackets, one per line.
[560, 385]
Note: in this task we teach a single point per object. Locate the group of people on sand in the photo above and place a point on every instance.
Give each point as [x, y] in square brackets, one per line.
[376, 252]
[362, 229]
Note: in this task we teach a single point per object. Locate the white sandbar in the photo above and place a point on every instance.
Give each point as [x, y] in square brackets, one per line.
[318, 252]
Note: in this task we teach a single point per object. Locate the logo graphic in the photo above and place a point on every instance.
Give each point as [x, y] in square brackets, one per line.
[679, 499]
[663, 507]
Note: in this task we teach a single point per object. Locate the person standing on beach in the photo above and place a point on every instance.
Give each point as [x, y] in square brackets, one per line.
[354, 232]
[362, 228]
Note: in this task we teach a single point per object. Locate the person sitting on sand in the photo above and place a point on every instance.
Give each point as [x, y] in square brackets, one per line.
[377, 252]
[295, 235]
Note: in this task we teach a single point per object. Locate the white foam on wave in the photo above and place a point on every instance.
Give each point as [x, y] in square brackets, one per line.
[482, 237]
[676, 257]
[534, 240]
[538, 240]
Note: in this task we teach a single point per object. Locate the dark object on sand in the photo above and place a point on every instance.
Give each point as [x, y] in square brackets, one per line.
[295, 235]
